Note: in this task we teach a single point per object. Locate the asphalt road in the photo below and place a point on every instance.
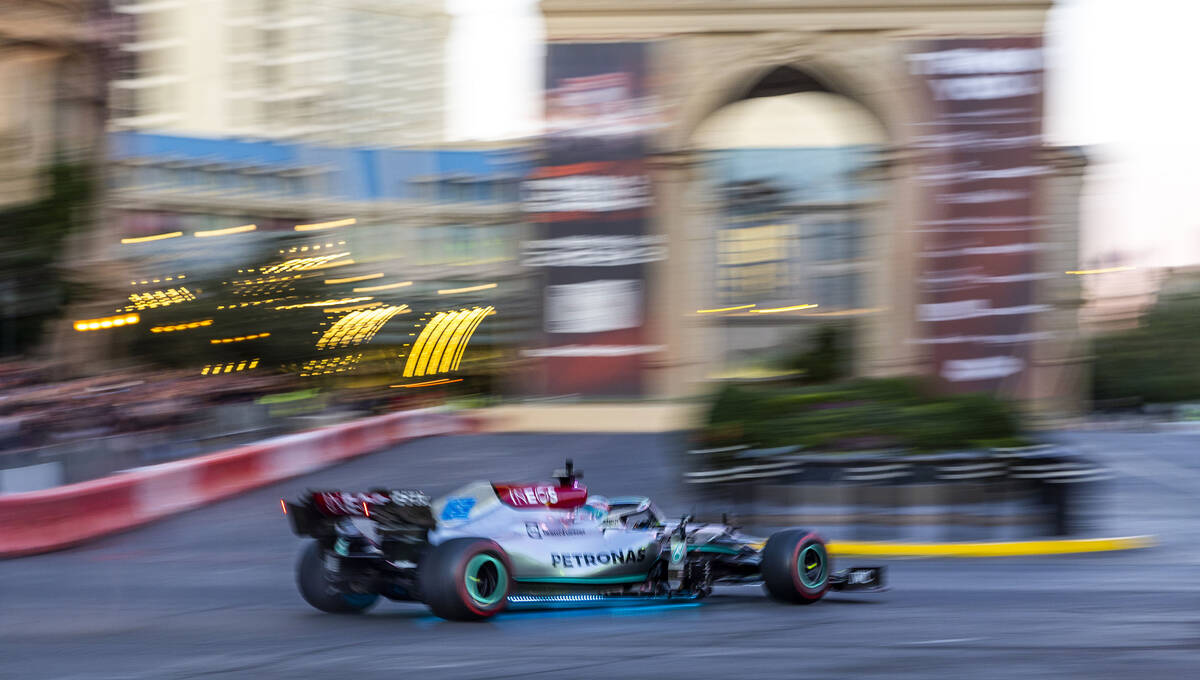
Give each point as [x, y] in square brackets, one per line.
[209, 594]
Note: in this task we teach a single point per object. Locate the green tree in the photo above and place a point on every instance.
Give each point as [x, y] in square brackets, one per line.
[1157, 362]
[32, 290]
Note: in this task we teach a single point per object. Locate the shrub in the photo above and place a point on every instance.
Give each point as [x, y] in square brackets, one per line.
[856, 415]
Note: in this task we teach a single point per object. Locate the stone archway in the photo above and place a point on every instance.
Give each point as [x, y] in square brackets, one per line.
[708, 53]
[853, 68]
[786, 194]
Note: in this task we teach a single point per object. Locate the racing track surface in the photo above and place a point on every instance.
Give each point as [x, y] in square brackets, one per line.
[210, 594]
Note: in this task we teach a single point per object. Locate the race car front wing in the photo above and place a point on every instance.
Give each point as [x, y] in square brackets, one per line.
[861, 579]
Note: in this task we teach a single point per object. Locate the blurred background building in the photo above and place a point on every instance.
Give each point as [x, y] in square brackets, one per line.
[804, 160]
[366, 72]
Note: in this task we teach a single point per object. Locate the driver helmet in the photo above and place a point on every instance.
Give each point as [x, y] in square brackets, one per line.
[596, 507]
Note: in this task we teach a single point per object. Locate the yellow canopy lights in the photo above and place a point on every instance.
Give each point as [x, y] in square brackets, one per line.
[358, 326]
[326, 303]
[161, 298]
[442, 342]
[106, 322]
[330, 365]
[215, 369]
[297, 264]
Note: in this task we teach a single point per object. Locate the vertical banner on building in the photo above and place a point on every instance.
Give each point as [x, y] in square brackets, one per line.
[981, 232]
[589, 199]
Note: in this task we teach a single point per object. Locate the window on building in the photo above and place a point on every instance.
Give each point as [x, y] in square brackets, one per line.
[834, 239]
[840, 291]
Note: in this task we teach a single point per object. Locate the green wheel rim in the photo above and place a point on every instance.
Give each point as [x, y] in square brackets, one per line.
[812, 566]
[486, 580]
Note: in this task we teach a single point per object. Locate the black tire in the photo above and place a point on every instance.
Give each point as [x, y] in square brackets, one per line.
[796, 566]
[466, 579]
[319, 592]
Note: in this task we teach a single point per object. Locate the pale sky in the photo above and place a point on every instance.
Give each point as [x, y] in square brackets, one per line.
[1121, 81]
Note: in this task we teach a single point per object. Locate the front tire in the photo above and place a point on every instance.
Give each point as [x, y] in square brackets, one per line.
[466, 579]
[317, 590]
[796, 566]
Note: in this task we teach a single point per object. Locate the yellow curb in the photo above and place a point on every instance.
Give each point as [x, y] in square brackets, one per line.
[1000, 549]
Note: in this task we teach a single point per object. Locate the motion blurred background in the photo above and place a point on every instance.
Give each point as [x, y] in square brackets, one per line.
[229, 220]
[920, 275]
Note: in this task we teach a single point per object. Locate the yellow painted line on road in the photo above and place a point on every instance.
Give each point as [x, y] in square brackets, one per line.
[992, 549]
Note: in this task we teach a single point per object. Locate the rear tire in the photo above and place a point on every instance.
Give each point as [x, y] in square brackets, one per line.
[466, 579]
[796, 566]
[316, 589]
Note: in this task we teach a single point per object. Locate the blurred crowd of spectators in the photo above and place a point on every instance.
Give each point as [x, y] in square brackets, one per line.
[37, 411]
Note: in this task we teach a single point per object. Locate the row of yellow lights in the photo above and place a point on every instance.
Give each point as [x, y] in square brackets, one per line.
[106, 322]
[267, 279]
[358, 327]
[1106, 270]
[236, 230]
[386, 286]
[352, 308]
[181, 326]
[329, 365]
[252, 303]
[352, 279]
[240, 338]
[147, 281]
[226, 231]
[326, 225]
[442, 342]
[468, 289]
[305, 249]
[230, 367]
[322, 303]
[199, 234]
[751, 309]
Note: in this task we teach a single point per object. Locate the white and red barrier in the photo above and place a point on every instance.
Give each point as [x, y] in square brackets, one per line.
[41, 521]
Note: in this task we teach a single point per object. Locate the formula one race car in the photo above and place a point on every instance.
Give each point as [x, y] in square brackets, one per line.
[486, 546]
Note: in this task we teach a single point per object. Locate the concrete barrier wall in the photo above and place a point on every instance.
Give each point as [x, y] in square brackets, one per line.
[42, 521]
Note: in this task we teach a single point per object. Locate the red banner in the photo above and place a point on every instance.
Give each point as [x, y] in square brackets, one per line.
[590, 198]
[981, 236]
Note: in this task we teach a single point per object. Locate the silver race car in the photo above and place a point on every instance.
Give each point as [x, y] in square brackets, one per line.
[490, 545]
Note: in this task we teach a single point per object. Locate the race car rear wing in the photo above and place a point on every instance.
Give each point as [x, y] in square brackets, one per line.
[314, 513]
